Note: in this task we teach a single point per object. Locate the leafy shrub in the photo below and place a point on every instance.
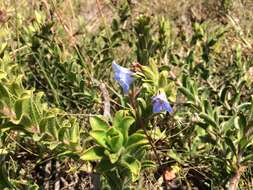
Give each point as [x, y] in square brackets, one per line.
[177, 104]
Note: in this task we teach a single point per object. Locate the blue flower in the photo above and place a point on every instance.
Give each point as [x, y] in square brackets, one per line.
[160, 103]
[123, 75]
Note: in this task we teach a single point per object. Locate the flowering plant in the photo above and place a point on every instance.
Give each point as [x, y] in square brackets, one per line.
[122, 146]
[160, 103]
[123, 76]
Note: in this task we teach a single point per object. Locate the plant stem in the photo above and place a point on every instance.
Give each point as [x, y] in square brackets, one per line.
[234, 181]
[107, 105]
[150, 140]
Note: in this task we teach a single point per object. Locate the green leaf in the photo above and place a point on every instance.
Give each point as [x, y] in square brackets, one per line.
[231, 145]
[136, 138]
[251, 108]
[172, 154]
[93, 153]
[133, 165]
[243, 143]
[105, 165]
[114, 157]
[154, 68]
[148, 73]
[119, 115]
[98, 123]
[99, 137]
[171, 90]
[147, 164]
[114, 179]
[2, 75]
[136, 142]
[163, 79]
[208, 120]
[52, 128]
[141, 103]
[114, 139]
[36, 108]
[4, 179]
[187, 93]
[4, 94]
[24, 120]
[75, 134]
[22, 106]
[123, 126]
[240, 124]
[52, 145]
[227, 125]
[247, 158]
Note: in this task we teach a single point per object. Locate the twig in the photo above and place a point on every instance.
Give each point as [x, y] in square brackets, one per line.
[57, 176]
[47, 175]
[106, 98]
[26, 149]
[150, 140]
[156, 154]
[234, 181]
[65, 184]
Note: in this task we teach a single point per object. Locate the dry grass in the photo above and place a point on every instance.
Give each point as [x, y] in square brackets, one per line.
[180, 11]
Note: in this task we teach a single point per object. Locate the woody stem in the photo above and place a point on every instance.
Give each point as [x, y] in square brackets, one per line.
[150, 140]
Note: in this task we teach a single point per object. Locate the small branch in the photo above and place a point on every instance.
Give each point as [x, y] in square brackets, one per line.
[57, 184]
[234, 181]
[150, 140]
[65, 184]
[48, 168]
[106, 98]
[156, 155]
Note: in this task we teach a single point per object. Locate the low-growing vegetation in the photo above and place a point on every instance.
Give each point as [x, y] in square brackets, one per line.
[126, 94]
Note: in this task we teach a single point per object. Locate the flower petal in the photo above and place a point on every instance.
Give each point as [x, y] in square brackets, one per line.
[160, 103]
[157, 107]
[167, 107]
[123, 76]
[115, 67]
